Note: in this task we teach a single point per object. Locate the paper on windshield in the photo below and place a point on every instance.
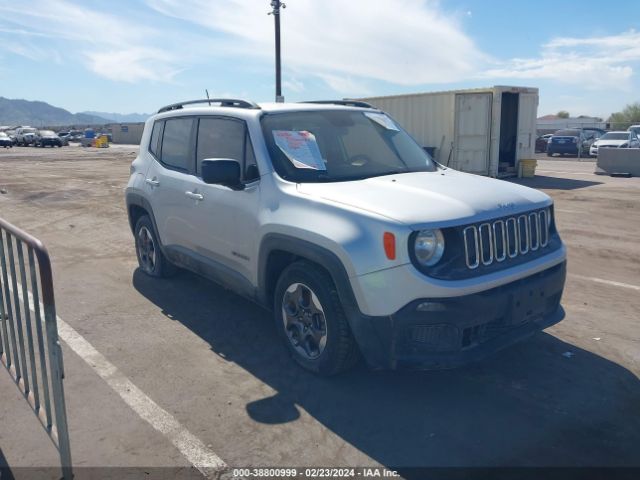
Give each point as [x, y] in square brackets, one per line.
[301, 148]
[383, 120]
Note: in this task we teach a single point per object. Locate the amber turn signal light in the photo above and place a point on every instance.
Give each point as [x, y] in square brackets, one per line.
[389, 241]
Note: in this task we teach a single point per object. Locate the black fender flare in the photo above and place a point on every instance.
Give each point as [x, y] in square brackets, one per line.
[370, 336]
[135, 199]
[302, 248]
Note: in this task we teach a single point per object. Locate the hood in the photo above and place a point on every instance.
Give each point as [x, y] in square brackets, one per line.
[613, 142]
[442, 198]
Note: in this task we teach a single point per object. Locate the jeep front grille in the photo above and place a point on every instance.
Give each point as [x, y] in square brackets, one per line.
[510, 237]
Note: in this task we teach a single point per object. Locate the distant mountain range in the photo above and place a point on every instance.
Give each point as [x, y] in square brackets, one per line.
[38, 114]
[120, 117]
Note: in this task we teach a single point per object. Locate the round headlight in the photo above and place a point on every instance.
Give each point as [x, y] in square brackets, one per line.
[429, 247]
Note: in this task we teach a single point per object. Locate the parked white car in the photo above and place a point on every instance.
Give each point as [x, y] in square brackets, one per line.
[334, 218]
[26, 136]
[619, 139]
[635, 129]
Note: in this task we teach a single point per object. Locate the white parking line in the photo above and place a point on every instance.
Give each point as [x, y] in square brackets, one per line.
[606, 282]
[201, 457]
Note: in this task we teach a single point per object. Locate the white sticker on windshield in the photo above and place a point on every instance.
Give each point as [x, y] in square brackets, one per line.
[383, 120]
[300, 147]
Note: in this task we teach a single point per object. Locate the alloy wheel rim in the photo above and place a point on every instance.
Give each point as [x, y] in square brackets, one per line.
[304, 321]
[146, 249]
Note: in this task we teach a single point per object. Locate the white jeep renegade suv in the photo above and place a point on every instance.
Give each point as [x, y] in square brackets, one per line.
[332, 216]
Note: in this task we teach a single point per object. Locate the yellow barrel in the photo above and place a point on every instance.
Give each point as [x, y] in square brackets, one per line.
[528, 167]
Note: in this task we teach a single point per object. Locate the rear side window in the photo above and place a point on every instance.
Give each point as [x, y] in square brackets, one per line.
[176, 143]
[155, 136]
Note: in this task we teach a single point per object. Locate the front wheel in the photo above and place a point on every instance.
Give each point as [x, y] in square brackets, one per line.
[310, 319]
[150, 257]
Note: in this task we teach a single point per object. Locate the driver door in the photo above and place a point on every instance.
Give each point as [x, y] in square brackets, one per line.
[225, 221]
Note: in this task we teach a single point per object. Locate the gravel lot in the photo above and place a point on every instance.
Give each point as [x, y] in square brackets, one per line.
[212, 359]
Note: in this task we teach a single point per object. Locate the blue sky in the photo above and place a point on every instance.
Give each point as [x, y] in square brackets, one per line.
[137, 55]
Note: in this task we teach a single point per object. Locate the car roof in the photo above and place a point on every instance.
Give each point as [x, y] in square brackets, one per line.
[302, 106]
[566, 130]
[252, 113]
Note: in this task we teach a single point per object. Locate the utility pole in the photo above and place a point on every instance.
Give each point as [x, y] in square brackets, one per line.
[276, 4]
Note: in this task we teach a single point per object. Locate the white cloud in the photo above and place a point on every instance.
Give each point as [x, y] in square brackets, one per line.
[405, 42]
[293, 84]
[110, 46]
[132, 64]
[345, 84]
[593, 62]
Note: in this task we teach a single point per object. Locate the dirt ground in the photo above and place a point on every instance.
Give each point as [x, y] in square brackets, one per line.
[212, 359]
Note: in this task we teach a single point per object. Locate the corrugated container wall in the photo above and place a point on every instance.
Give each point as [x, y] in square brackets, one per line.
[486, 131]
[127, 133]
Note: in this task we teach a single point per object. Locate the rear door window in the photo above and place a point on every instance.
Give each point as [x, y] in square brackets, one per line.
[176, 144]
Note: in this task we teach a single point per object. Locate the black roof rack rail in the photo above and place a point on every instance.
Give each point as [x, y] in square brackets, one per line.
[345, 102]
[224, 102]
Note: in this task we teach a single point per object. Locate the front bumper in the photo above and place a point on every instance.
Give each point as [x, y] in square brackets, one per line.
[434, 333]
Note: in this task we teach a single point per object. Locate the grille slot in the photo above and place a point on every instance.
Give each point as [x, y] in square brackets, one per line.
[510, 237]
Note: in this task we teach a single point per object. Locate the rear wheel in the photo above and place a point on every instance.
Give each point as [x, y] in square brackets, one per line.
[311, 321]
[150, 257]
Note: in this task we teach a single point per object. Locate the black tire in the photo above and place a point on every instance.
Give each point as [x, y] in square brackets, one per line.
[549, 154]
[159, 267]
[340, 351]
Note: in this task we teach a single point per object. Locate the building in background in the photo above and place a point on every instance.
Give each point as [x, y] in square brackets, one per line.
[126, 133]
[552, 123]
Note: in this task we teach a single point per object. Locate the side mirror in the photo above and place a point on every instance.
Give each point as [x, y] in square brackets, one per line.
[222, 171]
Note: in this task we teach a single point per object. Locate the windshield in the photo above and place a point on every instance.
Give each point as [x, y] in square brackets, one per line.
[615, 136]
[335, 146]
[28, 130]
[567, 133]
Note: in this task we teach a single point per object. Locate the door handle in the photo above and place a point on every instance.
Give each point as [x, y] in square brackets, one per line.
[153, 183]
[194, 196]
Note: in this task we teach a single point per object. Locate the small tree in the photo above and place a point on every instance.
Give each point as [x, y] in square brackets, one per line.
[628, 116]
[562, 114]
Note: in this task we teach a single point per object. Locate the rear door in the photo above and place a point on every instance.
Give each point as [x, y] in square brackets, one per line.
[169, 177]
[472, 132]
[527, 113]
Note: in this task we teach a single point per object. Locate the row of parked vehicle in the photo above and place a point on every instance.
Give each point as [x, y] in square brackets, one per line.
[585, 142]
[26, 136]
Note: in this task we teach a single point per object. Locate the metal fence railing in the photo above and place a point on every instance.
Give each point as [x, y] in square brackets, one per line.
[29, 346]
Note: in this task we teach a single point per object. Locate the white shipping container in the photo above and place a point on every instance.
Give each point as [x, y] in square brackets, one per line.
[486, 131]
